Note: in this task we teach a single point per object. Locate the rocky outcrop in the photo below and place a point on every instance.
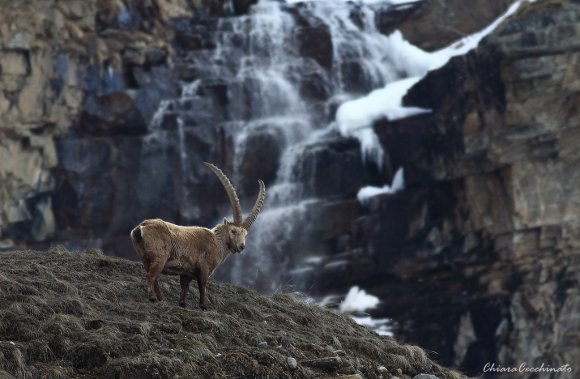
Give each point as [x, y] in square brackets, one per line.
[434, 24]
[515, 127]
[484, 239]
[65, 314]
[41, 89]
[78, 87]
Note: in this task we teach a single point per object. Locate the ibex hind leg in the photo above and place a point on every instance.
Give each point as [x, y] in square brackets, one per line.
[155, 268]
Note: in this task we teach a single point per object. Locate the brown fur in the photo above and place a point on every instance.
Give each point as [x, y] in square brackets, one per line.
[192, 251]
[188, 251]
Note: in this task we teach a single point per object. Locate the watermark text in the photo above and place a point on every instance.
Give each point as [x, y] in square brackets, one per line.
[524, 368]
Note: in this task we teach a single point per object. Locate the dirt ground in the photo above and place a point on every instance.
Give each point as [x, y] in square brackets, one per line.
[85, 315]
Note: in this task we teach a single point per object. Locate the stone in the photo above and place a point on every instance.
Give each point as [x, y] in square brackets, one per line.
[172, 9]
[48, 148]
[315, 42]
[242, 6]
[21, 40]
[73, 30]
[314, 85]
[326, 162]
[17, 212]
[433, 25]
[496, 144]
[292, 364]
[425, 376]
[263, 345]
[465, 339]
[4, 104]
[114, 113]
[30, 99]
[21, 173]
[43, 222]
[260, 159]
[6, 244]
[13, 63]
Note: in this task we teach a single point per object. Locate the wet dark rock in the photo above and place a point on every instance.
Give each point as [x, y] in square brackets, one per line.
[242, 6]
[354, 77]
[114, 113]
[475, 240]
[260, 159]
[327, 162]
[432, 25]
[83, 202]
[315, 42]
[314, 86]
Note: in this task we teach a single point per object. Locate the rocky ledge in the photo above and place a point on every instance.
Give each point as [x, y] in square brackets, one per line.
[86, 315]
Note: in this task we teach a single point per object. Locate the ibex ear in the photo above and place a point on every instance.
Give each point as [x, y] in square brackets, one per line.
[226, 222]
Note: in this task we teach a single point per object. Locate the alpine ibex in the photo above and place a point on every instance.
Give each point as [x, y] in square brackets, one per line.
[192, 251]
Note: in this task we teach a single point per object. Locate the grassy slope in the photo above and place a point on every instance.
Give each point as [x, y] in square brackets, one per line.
[85, 315]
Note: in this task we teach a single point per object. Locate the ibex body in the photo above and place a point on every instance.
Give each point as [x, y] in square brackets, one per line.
[192, 251]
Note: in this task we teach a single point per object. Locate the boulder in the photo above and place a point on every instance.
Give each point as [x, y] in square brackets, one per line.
[112, 114]
[259, 159]
[326, 162]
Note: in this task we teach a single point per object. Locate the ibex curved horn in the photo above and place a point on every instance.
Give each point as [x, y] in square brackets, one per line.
[234, 201]
[257, 207]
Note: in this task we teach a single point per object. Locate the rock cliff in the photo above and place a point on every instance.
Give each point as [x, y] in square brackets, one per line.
[476, 260]
[485, 237]
[79, 86]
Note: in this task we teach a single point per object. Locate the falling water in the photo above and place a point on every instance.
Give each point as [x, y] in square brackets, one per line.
[265, 60]
[271, 56]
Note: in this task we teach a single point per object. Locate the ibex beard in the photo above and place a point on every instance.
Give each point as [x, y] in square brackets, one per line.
[193, 251]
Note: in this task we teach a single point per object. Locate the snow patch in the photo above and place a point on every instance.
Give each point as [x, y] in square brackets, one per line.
[359, 300]
[357, 115]
[354, 118]
[313, 260]
[382, 326]
[398, 184]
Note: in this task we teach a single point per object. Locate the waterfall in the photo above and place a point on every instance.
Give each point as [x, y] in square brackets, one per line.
[284, 69]
[283, 235]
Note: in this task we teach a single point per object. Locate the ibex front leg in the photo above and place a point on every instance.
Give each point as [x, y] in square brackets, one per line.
[202, 277]
[184, 280]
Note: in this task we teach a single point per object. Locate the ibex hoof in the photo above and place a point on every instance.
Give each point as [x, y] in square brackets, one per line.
[182, 305]
[202, 307]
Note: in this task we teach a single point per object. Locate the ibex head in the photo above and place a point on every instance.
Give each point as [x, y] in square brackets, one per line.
[235, 232]
[236, 237]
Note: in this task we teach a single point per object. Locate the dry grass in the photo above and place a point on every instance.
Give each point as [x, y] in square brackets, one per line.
[85, 315]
